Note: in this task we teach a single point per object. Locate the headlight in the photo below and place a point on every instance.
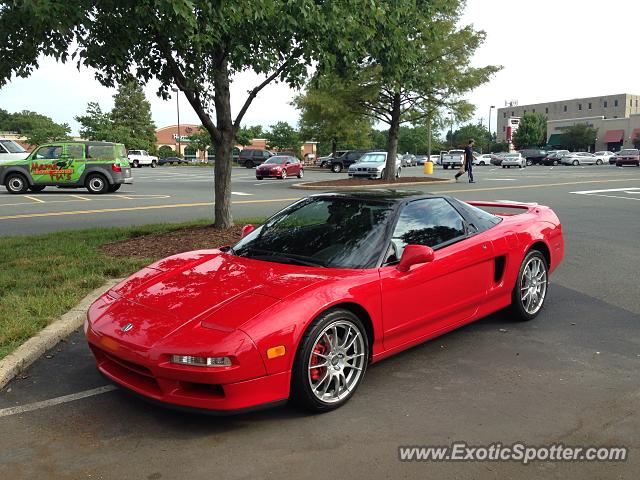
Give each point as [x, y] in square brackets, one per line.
[201, 361]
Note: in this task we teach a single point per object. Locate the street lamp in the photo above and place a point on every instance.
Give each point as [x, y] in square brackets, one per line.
[451, 131]
[174, 89]
[489, 122]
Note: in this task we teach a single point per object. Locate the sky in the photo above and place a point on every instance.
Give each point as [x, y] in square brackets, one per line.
[550, 50]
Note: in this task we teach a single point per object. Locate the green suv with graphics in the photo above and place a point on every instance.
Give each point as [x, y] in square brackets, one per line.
[100, 167]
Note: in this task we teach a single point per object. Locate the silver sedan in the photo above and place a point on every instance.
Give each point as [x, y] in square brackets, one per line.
[580, 158]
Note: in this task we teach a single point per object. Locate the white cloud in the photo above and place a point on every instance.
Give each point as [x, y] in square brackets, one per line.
[550, 50]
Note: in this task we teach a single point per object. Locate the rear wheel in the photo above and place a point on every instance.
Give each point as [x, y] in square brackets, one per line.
[576, 163]
[336, 167]
[136, 164]
[301, 173]
[258, 178]
[96, 184]
[529, 162]
[530, 291]
[284, 175]
[330, 362]
[16, 183]
[249, 164]
[37, 188]
[154, 163]
[555, 163]
[598, 162]
[446, 167]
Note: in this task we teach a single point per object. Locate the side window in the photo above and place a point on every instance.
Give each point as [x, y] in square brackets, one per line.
[49, 152]
[265, 154]
[75, 151]
[429, 222]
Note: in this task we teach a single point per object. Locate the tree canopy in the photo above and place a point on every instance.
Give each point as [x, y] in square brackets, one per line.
[283, 136]
[531, 132]
[37, 128]
[579, 136]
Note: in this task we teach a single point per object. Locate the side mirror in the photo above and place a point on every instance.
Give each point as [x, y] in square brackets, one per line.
[246, 230]
[414, 254]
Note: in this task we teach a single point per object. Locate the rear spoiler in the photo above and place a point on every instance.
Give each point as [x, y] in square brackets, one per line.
[509, 205]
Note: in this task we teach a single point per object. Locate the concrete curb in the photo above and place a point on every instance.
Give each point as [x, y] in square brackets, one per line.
[32, 349]
[309, 186]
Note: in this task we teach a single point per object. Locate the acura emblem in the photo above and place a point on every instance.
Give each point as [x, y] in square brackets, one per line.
[126, 327]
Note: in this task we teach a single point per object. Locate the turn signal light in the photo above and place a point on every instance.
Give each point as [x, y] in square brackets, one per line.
[275, 352]
[201, 361]
[116, 168]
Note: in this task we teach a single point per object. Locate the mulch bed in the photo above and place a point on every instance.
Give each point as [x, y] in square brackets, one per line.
[177, 241]
[349, 182]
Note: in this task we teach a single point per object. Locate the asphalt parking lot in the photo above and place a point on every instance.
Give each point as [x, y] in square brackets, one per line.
[571, 376]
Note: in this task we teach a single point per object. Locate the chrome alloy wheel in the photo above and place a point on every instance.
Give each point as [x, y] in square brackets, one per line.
[533, 285]
[337, 361]
[16, 184]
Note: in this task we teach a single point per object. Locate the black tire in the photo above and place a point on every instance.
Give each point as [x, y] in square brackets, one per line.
[517, 307]
[136, 164]
[96, 184]
[115, 187]
[529, 162]
[323, 164]
[598, 162]
[283, 176]
[555, 163]
[504, 166]
[398, 172]
[482, 164]
[16, 183]
[37, 188]
[301, 390]
[154, 164]
[446, 167]
[249, 164]
[258, 178]
[301, 174]
[336, 167]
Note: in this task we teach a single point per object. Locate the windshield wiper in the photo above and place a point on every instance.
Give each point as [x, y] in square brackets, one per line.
[257, 253]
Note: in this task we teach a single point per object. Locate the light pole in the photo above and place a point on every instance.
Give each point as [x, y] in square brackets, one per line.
[174, 89]
[451, 131]
[489, 122]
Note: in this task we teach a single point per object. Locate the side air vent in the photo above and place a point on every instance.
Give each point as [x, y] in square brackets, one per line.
[499, 269]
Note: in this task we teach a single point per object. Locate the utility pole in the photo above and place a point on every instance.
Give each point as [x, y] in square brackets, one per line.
[174, 89]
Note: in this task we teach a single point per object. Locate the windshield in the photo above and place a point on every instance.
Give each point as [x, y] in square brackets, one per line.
[323, 232]
[12, 147]
[373, 158]
[629, 152]
[277, 160]
[512, 155]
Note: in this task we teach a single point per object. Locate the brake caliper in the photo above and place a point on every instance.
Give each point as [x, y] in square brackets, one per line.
[317, 373]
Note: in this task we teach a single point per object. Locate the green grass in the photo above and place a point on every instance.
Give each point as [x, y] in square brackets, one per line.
[42, 277]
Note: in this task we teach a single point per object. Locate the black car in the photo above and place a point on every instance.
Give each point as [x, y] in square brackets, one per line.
[553, 157]
[348, 158]
[251, 157]
[534, 156]
[172, 161]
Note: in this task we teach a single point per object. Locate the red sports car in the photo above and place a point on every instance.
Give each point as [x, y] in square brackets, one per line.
[304, 303]
[280, 166]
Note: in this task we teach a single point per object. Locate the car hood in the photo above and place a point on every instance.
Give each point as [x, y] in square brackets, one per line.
[195, 289]
[377, 165]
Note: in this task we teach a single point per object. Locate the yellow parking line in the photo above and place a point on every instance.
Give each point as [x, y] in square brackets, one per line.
[540, 185]
[34, 199]
[131, 209]
[80, 197]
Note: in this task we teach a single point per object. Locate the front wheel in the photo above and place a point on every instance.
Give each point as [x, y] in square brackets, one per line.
[576, 163]
[529, 162]
[398, 172]
[258, 178]
[336, 167]
[284, 175]
[530, 291]
[301, 173]
[249, 164]
[598, 162]
[154, 164]
[136, 164]
[330, 362]
[16, 183]
[446, 167]
[555, 163]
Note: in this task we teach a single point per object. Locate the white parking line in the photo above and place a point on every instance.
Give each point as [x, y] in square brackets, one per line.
[34, 199]
[242, 194]
[5, 412]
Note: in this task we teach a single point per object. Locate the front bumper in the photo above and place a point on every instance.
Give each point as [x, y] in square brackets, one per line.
[268, 173]
[219, 390]
[372, 175]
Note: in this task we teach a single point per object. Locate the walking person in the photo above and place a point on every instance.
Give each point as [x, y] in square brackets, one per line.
[468, 162]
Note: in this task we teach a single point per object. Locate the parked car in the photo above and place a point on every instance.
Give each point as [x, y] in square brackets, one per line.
[534, 156]
[606, 157]
[513, 160]
[554, 156]
[580, 158]
[496, 158]
[628, 156]
[373, 165]
[280, 166]
[408, 160]
[303, 304]
[326, 160]
[252, 157]
[421, 159]
[484, 159]
[345, 160]
[172, 161]
[452, 158]
[100, 167]
[139, 158]
[10, 150]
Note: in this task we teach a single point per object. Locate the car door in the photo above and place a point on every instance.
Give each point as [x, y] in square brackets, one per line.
[74, 163]
[43, 164]
[437, 296]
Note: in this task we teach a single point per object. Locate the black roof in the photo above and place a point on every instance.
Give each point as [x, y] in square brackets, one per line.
[384, 194]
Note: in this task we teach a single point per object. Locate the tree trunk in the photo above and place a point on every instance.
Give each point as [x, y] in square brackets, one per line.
[224, 147]
[430, 137]
[334, 147]
[392, 144]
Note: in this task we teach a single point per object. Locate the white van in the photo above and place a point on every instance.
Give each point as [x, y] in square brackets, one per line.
[10, 150]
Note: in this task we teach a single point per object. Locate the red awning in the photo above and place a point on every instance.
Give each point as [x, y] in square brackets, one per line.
[634, 135]
[613, 136]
